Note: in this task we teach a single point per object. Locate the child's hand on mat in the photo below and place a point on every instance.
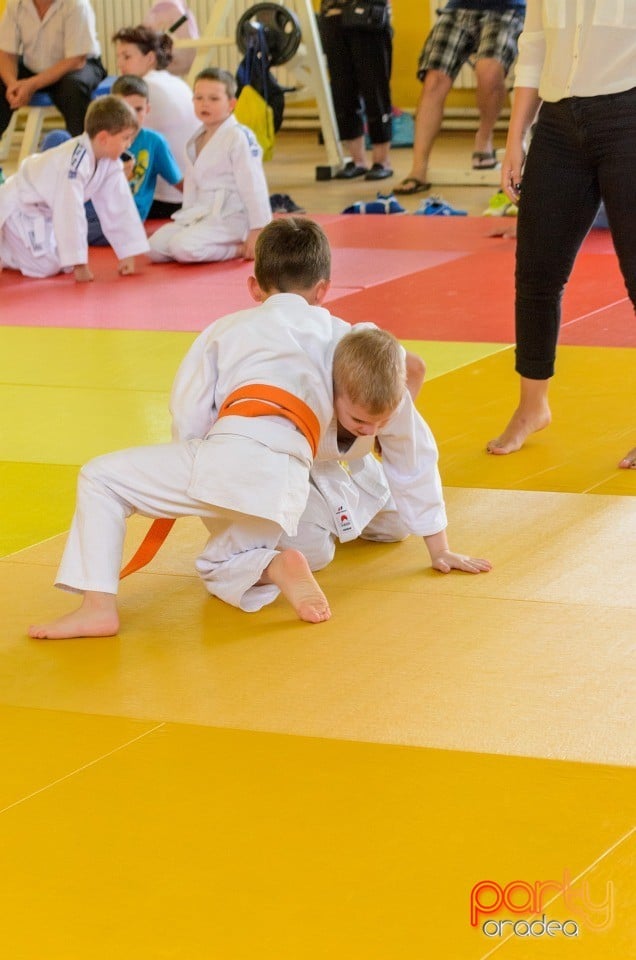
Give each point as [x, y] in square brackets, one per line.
[444, 560]
[126, 267]
[83, 273]
[447, 561]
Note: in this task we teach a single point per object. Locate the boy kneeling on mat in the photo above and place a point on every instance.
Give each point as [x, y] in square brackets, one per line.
[42, 218]
[250, 403]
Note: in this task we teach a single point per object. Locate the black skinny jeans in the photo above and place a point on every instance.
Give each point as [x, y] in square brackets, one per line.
[583, 150]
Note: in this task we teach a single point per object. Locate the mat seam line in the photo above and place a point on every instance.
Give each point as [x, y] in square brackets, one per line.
[85, 766]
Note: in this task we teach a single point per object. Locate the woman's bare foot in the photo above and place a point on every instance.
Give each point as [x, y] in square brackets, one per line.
[629, 462]
[95, 617]
[521, 425]
[532, 414]
[290, 572]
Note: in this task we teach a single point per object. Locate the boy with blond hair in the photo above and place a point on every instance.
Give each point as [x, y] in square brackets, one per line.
[42, 219]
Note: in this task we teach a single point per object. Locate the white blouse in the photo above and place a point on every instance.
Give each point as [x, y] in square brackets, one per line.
[577, 48]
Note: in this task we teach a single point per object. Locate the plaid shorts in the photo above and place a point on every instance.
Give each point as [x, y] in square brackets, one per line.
[461, 35]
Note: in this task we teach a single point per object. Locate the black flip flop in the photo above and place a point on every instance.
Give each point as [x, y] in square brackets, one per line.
[416, 186]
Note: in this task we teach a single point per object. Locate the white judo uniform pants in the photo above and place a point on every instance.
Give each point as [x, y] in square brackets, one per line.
[153, 481]
[206, 240]
[27, 244]
[318, 543]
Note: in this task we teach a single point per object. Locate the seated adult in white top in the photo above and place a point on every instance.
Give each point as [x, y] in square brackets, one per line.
[145, 53]
[49, 45]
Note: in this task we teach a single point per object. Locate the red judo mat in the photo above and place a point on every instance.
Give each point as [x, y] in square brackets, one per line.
[427, 278]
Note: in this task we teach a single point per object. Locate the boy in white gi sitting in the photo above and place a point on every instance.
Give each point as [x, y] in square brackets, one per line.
[42, 219]
[250, 404]
[225, 195]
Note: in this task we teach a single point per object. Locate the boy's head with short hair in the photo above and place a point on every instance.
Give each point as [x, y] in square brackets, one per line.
[134, 90]
[216, 75]
[292, 256]
[110, 114]
[369, 376]
[111, 125]
[129, 85]
[213, 97]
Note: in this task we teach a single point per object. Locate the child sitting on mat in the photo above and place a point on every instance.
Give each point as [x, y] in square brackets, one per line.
[42, 219]
[225, 195]
[250, 403]
[149, 158]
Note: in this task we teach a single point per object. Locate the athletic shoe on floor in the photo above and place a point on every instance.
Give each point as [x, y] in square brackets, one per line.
[500, 206]
[437, 207]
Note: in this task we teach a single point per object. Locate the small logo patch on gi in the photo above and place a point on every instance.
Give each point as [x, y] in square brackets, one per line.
[76, 159]
[342, 518]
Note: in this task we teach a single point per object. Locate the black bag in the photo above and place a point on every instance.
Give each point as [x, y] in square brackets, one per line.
[253, 70]
[365, 15]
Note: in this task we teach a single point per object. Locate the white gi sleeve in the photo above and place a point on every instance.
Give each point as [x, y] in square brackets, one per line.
[67, 207]
[247, 163]
[118, 215]
[409, 459]
[192, 397]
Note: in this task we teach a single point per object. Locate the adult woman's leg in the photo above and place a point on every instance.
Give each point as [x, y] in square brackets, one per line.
[559, 200]
[613, 134]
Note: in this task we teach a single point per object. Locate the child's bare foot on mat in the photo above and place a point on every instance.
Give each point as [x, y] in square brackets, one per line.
[290, 572]
[629, 462]
[519, 429]
[96, 617]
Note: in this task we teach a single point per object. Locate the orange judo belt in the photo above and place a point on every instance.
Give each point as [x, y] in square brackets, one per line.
[253, 400]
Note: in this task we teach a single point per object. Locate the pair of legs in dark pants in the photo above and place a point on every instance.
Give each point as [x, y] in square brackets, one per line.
[71, 94]
[582, 151]
[360, 70]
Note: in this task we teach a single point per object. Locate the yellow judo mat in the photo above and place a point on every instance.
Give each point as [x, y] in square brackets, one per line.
[443, 770]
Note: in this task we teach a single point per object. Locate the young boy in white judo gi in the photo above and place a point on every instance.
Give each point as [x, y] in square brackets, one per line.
[42, 219]
[150, 156]
[353, 494]
[225, 195]
[249, 404]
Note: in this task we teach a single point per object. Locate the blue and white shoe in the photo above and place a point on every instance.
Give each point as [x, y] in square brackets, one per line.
[384, 203]
[437, 207]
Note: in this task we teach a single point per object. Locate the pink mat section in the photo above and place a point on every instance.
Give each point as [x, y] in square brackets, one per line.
[421, 277]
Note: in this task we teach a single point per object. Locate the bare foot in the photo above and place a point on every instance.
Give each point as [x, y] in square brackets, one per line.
[520, 427]
[96, 617]
[290, 572]
[629, 462]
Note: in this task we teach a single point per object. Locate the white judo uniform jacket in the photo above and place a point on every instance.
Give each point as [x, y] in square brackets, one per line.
[256, 466]
[227, 178]
[42, 219]
[225, 195]
[345, 500]
[352, 494]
